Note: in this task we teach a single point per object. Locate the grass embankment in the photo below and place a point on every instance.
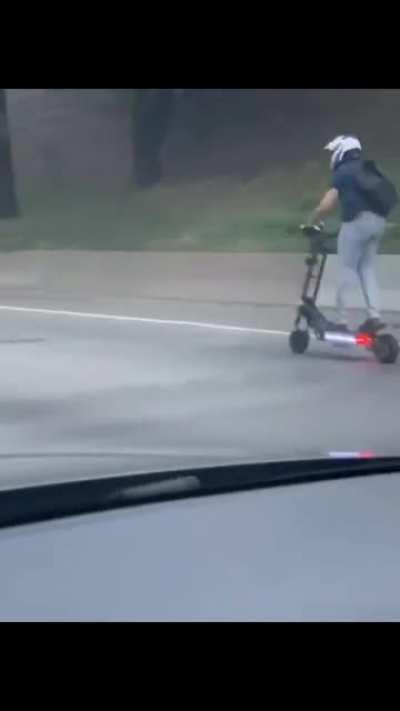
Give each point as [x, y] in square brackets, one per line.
[224, 214]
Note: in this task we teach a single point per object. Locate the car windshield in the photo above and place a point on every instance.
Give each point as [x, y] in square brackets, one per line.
[162, 305]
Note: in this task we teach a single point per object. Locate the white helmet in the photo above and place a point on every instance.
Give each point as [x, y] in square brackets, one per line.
[341, 145]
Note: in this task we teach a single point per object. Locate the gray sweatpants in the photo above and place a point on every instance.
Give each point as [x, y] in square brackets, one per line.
[358, 244]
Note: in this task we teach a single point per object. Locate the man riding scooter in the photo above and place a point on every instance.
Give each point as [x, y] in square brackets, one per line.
[366, 198]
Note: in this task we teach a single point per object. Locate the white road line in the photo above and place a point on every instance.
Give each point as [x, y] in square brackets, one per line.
[138, 319]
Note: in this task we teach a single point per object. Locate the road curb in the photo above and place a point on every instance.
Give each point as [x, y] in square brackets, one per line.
[250, 278]
[220, 277]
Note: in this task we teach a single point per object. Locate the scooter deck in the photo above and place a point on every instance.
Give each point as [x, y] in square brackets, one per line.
[325, 330]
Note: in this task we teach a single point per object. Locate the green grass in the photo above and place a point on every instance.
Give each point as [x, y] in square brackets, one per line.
[223, 214]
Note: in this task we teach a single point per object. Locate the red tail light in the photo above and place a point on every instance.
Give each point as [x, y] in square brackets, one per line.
[365, 340]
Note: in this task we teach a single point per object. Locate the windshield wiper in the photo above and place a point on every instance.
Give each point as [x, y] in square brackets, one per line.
[55, 501]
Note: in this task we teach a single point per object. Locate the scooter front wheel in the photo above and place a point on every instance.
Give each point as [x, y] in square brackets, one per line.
[299, 341]
[386, 348]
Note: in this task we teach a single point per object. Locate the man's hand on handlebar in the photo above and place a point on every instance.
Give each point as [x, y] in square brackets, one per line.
[313, 228]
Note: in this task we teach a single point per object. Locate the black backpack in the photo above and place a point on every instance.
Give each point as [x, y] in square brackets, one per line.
[379, 191]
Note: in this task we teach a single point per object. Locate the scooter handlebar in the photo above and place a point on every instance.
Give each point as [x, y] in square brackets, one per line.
[321, 242]
[313, 230]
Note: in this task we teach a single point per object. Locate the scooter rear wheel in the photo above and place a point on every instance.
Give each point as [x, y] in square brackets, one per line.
[386, 348]
[299, 341]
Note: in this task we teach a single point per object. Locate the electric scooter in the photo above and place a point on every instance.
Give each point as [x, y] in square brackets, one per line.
[309, 318]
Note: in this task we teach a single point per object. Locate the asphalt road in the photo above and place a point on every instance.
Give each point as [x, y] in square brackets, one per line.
[85, 396]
